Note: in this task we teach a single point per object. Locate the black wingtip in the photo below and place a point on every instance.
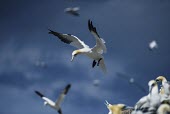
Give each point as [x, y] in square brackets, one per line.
[92, 28]
[89, 25]
[50, 31]
[39, 94]
[67, 88]
[59, 111]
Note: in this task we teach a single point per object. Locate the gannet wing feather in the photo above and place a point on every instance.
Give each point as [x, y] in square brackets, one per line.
[76, 8]
[60, 111]
[62, 95]
[100, 46]
[103, 66]
[69, 39]
[43, 97]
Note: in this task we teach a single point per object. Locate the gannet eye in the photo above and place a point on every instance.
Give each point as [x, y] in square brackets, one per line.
[75, 54]
[153, 84]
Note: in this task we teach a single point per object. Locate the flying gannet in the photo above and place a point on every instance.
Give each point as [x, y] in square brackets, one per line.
[118, 108]
[94, 53]
[96, 82]
[55, 105]
[153, 45]
[72, 11]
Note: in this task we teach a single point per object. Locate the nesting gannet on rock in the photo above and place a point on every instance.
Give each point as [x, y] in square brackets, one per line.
[155, 98]
[153, 45]
[118, 108]
[72, 11]
[165, 89]
[55, 105]
[94, 53]
[165, 84]
[151, 101]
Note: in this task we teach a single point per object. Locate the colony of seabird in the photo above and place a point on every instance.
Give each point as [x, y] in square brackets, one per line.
[156, 102]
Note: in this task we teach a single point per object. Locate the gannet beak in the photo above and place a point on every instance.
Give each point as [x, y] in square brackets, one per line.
[106, 103]
[45, 103]
[72, 58]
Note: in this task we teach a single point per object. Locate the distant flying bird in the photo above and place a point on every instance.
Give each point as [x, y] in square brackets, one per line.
[118, 108]
[94, 53]
[42, 64]
[131, 81]
[55, 105]
[153, 45]
[96, 82]
[72, 11]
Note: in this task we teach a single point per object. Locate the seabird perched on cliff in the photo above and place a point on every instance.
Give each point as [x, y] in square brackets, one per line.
[55, 105]
[151, 101]
[94, 53]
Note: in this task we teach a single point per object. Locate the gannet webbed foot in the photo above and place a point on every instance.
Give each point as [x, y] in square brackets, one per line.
[94, 64]
[99, 61]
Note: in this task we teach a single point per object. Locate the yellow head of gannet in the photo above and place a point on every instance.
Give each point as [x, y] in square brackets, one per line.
[162, 91]
[115, 109]
[75, 53]
[161, 79]
[152, 84]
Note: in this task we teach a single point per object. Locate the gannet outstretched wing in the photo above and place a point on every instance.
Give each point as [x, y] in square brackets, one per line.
[43, 97]
[76, 8]
[100, 43]
[55, 105]
[62, 95]
[69, 39]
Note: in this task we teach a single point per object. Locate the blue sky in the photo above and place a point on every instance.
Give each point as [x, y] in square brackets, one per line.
[127, 26]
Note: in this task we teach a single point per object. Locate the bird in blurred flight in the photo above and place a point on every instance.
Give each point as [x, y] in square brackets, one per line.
[153, 45]
[55, 105]
[94, 53]
[73, 11]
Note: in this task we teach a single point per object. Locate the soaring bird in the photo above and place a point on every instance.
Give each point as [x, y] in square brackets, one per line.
[118, 108]
[55, 105]
[72, 11]
[94, 53]
[153, 45]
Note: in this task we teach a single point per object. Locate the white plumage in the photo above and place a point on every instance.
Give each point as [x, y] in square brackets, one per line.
[94, 53]
[55, 105]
